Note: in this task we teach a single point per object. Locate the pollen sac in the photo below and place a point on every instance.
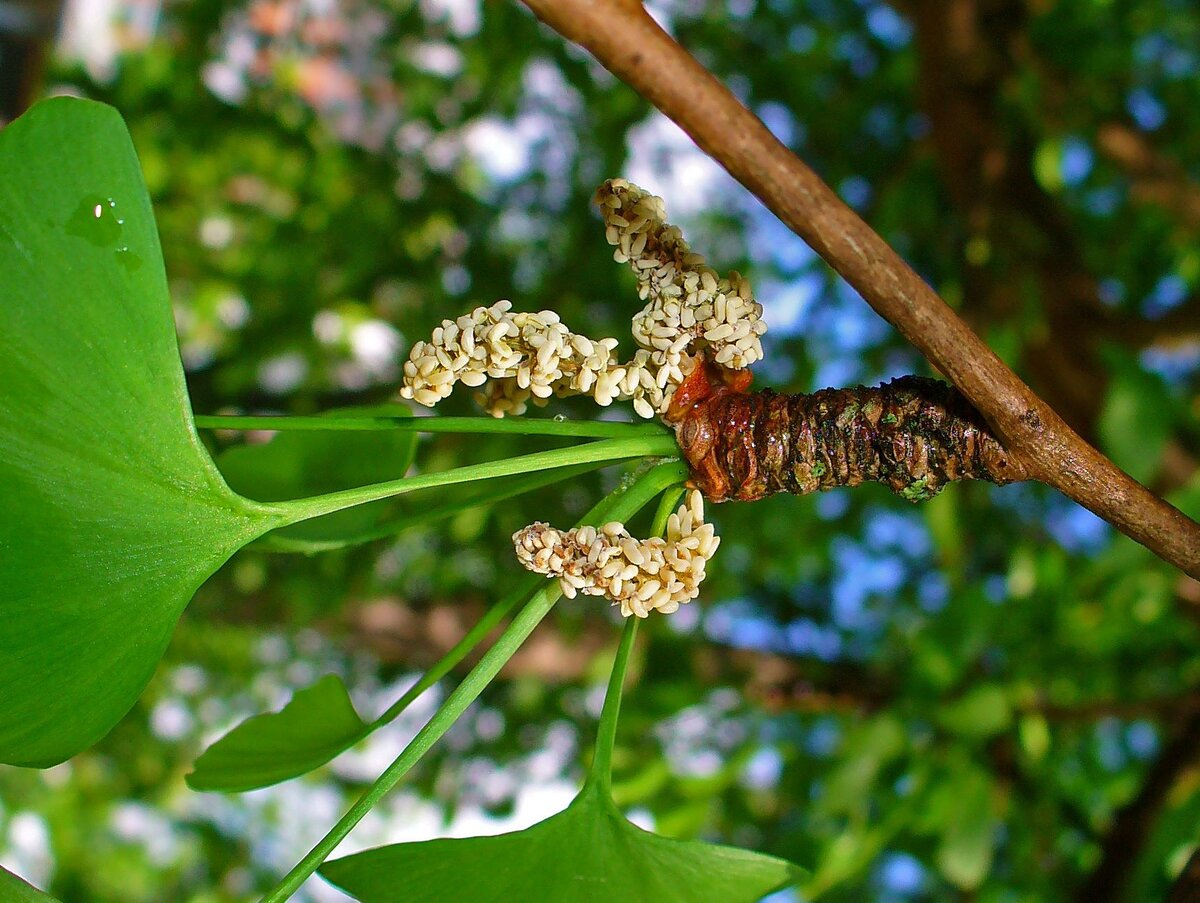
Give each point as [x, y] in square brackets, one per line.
[690, 310]
[640, 575]
[517, 357]
[514, 358]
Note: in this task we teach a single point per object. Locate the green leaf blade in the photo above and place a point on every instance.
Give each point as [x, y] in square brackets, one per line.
[16, 890]
[968, 841]
[318, 723]
[1137, 418]
[587, 852]
[112, 513]
[982, 712]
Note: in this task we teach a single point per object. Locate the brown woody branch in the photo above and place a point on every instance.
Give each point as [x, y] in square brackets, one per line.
[628, 42]
[971, 53]
[398, 634]
[1159, 181]
[1178, 328]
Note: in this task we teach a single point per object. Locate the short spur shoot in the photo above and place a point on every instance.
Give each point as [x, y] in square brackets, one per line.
[912, 434]
[696, 337]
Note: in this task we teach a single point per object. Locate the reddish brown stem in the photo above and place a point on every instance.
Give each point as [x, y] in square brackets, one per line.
[913, 434]
[631, 45]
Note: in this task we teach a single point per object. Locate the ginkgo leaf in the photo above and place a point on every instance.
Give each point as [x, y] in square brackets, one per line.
[589, 852]
[111, 511]
[318, 723]
[981, 712]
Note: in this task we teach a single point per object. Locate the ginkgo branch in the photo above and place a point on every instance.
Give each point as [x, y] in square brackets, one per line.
[628, 42]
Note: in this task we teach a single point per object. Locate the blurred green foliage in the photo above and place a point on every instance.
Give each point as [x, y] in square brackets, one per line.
[962, 700]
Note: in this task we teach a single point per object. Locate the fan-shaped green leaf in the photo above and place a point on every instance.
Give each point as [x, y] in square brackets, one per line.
[982, 712]
[318, 723]
[587, 852]
[111, 511]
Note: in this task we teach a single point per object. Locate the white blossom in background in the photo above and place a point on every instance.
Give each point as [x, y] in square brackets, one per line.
[640, 575]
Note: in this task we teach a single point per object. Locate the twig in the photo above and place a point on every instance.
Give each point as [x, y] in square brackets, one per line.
[623, 37]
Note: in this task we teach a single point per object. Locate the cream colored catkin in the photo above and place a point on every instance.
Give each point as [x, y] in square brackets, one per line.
[639, 575]
[516, 358]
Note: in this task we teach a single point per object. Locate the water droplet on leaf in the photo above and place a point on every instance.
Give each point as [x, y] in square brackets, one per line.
[128, 259]
[96, 222]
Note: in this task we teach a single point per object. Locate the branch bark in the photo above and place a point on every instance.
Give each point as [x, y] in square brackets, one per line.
[630, 44]
[1180, 327]
[398, 634]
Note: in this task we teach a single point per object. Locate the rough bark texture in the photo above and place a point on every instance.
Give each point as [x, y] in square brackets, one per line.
[913, 434]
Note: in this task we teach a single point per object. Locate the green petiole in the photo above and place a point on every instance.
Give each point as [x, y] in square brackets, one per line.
[604, 450]
[462, 648]
[491, 491]
[619, 507]
[498, 612]
[600, 773]
[524, 426]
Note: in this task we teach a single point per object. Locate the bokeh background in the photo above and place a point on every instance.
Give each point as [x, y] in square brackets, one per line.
[987, 697]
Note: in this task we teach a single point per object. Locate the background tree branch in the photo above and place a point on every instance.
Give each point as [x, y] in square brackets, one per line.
[627, 41]
[1154, 177]
[970, 53]
[1132, 824]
